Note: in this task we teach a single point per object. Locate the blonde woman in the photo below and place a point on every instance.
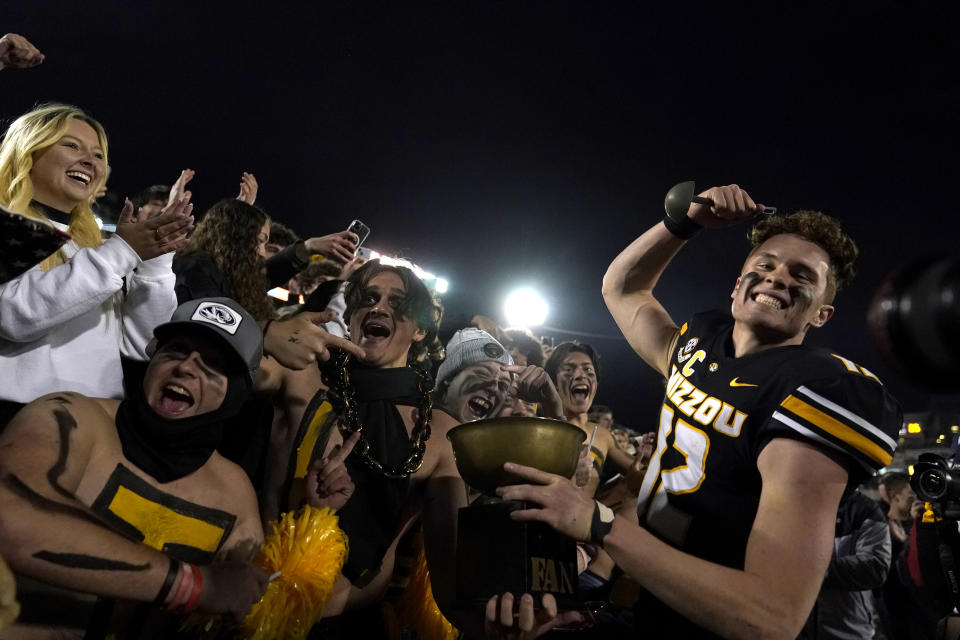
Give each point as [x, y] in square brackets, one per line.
[65, 323]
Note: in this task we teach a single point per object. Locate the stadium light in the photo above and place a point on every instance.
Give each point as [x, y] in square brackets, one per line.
[525, 308]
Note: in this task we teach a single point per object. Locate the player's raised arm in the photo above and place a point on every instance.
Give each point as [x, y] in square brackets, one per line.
[630, 279]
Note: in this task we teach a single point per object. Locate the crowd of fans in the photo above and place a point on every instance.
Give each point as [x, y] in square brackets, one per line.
[160, 410]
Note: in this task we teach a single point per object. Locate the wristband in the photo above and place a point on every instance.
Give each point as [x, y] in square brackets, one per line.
[172, 573]
[195, 590]
[182, 590]
[685, 228]
[601, 523]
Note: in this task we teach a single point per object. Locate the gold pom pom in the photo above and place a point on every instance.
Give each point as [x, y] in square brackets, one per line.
[418, 610]
[308, 548]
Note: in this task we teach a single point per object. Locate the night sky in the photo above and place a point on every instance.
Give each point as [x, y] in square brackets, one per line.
[506, 143]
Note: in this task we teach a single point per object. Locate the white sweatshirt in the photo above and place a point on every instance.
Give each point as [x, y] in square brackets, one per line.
[65, 329]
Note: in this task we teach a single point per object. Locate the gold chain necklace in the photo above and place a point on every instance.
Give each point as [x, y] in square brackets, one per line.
[351, 423]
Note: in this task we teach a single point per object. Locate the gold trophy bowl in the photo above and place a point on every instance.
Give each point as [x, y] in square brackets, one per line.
[481, 448]
[495, 553]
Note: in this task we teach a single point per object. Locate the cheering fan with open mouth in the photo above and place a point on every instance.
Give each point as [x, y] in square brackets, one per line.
[67, 321]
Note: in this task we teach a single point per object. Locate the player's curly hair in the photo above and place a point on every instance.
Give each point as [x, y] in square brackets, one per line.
[820, 229]
[228, 234]
[419, 306]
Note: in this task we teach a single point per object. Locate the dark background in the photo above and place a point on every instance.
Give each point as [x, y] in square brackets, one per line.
[506, 143]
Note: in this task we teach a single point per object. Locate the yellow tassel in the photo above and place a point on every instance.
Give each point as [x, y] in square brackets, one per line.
[308, 548]
[417, 608]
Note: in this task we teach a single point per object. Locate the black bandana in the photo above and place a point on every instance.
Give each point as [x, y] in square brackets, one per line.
[371, 516]
[53, 214]
[170, 449]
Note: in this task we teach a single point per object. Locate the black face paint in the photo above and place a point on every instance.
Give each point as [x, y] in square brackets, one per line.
[83, 561]
[802, 298]
[65, 424]
[747, 279]
[37, 501]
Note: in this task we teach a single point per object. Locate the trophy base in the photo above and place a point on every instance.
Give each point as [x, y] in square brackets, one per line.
[496, 555]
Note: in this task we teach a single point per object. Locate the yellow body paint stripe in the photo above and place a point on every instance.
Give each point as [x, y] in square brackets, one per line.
[161, 525]
[305, 450]
[838, 429]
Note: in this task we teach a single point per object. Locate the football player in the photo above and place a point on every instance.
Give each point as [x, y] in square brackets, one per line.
[759, 434]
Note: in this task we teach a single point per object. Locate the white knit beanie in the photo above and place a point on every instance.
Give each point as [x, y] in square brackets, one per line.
[470, 346]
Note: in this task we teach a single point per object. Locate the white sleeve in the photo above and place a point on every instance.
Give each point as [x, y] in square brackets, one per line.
[38, 301]
[150, 301]
[338, 303]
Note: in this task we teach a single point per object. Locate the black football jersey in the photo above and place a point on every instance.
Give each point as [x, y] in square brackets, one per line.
[702, 488]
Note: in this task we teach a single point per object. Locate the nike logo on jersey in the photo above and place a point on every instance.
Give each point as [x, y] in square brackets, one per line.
[735, 383]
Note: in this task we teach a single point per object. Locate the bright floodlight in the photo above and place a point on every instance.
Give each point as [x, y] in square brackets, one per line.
[525, 308]
[442, 285]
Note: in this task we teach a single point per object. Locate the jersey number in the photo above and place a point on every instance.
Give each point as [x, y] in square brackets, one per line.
[694, 445]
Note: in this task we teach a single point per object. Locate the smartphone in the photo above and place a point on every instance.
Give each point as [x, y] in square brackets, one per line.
[361, 230]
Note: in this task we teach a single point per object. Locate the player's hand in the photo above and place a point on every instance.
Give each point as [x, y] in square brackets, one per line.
[17, 52]
[506, 617]
[152, 237]
[561, 504]
[328, 482]
[534, 385]
[231, 587]
[248, 188]
[298, 342]
[641, 461]
[731, 205]
[339, 246]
